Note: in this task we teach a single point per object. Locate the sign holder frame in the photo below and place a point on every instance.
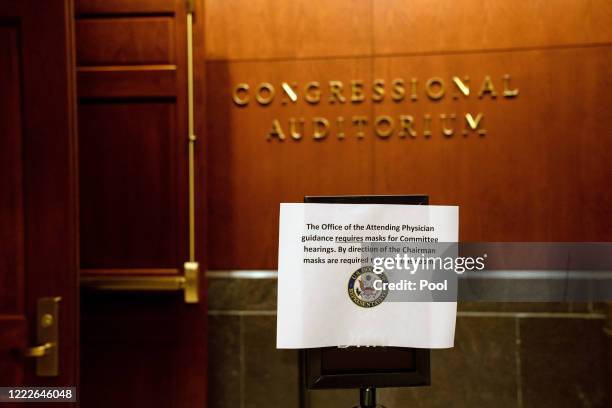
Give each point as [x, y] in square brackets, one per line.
[333, 367]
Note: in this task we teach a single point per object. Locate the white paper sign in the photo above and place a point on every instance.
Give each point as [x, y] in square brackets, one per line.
[314, 306]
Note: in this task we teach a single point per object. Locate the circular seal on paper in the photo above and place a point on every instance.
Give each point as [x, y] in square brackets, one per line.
[361, 287]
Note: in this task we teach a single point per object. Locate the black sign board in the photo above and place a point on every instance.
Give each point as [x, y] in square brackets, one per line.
[358, 367]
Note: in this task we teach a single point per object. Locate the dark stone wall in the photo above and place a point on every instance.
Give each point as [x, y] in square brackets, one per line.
[519, 355]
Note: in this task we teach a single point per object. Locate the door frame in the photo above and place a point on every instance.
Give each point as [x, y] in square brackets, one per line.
[49, 174]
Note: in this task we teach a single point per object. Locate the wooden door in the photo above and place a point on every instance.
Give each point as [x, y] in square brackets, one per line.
[38, 205]
[139, 348]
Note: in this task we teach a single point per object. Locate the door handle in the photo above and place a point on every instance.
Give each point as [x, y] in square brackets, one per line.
[39, 351]
[47, 335]
[188, 283]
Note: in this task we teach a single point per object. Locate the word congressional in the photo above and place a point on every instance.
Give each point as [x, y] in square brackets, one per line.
[398, 91]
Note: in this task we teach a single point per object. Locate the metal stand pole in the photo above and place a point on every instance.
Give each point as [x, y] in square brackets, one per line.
[367, 398]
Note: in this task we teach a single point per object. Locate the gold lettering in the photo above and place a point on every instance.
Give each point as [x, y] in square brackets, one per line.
[269, 89]
[378, 90]
[413, 89]
[430, 87]
[335, 88]
[289, 92]
[473, 124]
[509, 93]
[487, 88]
[313, 92]
[340, 122]
[357, 91]
[444, 120]
[406, 124]
[462, 85]
[360, 121]
[277, 131]
[398, 92]
[295, 135]
[321, 128]
[241, 88]
[383, 126]
[427, 125]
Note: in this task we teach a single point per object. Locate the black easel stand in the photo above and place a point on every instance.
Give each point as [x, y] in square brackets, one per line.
[363, 367]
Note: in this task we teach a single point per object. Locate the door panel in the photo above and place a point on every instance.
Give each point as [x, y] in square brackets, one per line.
[88, 7]
[132, 138]
[125, 41]
[128, 154]
[12, 313]
[38, 207]
[11, 252]
[141, 348]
